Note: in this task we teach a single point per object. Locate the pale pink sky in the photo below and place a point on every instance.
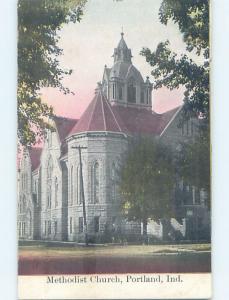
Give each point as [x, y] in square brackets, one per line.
[89, 45]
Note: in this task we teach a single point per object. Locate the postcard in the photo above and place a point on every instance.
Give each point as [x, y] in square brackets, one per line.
[114, 195]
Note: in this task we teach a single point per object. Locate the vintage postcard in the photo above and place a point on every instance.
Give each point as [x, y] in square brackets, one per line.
[114, 198]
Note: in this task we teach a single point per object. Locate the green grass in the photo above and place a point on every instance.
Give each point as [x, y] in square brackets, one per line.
[109, 250]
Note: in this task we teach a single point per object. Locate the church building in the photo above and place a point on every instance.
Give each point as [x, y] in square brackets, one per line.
[70, 185]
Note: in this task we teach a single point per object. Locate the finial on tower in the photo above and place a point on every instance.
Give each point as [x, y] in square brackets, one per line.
[122, 33]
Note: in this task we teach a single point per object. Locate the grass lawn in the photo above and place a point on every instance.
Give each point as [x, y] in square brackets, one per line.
[42, 260]
[110, 250]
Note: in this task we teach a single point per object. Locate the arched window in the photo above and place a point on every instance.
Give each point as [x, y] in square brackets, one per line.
[120, 95]
[131, 91]
[114, 90]
[78, 185]
[71, 185]
[142, 97]
[113, 182]
[96, 183]
[30, 223]
[49, 183]
[56, 192]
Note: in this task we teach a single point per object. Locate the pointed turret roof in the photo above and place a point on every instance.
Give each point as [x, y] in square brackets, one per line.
[122, 52]
[122, 44]
[99, 116]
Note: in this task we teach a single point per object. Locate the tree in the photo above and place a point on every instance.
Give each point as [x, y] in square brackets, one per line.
[39, 23]
[147, 181]
[170, 69]
[194, 163]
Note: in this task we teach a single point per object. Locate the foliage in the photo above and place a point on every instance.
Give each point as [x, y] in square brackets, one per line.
[194, 162]
[147, 180]
[39, 23]
[173, 71]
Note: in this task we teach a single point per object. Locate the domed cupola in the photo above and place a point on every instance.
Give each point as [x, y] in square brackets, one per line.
[123, 84]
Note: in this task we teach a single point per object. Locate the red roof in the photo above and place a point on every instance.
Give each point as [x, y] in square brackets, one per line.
[64, 126]
[35, 156]
[99, 116]
[166, 117]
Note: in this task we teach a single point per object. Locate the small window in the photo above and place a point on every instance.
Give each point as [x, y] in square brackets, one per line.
[96, 183]
[70, 225]
[113, 182]
[55, 228]
[79, 187]
[197, 196]
[120, 93]
[96, 224]
[131, 94]
[80, 224]
[114, 91]
[142, 97]
[49, 227]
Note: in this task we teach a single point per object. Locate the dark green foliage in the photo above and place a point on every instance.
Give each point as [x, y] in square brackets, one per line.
[194, 163]
[39, 23]
[172, 70]
[147, 181]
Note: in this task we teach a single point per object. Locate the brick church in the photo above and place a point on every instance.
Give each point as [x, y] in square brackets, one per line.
[58, 195]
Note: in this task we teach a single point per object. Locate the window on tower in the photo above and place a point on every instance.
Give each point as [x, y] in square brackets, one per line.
[113, 182]
[114, 91]
[142, 97]
[131, 91]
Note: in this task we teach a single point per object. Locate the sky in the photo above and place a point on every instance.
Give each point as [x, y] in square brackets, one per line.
[88, 46]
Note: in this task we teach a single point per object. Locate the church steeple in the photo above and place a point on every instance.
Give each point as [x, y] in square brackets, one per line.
[122, 52]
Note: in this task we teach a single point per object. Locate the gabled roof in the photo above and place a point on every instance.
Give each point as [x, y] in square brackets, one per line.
[102, 116]
[64, 126]
[143, 121]
[166, 118]
[99, 116]
[35, 156]
[138, 121]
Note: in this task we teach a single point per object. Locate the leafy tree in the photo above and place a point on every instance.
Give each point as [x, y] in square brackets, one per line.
[147, 181]
[194, 163]
[39, 23]
[172, 70]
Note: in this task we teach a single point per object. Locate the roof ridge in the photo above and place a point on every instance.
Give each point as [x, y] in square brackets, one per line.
[128, 71]
[95, 100]
[114, 117]
[170, 110]
[65, 118]
[104, 120]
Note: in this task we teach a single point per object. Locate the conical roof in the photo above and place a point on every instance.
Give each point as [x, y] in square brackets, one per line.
[122, 44]
[122, 52]
[99, 116]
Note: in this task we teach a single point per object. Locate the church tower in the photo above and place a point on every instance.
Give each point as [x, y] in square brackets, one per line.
[123, 83]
